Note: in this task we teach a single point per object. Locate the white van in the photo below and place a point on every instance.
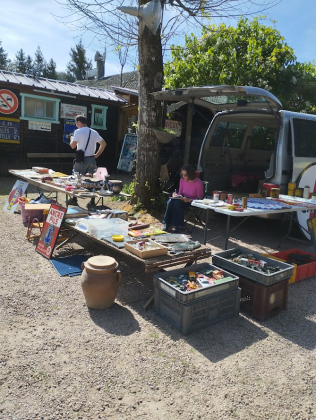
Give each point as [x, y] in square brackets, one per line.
[250, 140]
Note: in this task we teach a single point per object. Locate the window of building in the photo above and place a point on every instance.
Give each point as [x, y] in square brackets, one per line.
[98, 119]
[39, 108]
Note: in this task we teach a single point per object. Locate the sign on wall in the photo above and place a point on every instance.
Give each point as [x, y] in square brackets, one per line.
[8, 102]
[9, 130]
[128, 153]
[40, 126]
[71, 111]
[69, 130]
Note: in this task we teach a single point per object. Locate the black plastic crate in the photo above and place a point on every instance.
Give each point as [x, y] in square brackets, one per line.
[198, 314]
[203, 292]
[263, 302]
[221, 259]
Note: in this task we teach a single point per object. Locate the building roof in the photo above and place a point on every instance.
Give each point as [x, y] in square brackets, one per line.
[58, 86]
[127, 80]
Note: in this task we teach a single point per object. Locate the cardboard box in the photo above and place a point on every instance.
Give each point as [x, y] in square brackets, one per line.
[157, 250]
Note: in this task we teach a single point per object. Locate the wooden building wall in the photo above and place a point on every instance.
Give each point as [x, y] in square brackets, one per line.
[13, 155]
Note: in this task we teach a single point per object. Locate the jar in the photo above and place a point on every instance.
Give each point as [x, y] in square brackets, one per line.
[306, 192]
[100, 280]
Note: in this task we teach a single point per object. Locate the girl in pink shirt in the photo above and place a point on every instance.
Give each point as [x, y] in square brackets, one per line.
[190, 188]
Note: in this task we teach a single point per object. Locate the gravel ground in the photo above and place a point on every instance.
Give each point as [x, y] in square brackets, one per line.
[61, 360]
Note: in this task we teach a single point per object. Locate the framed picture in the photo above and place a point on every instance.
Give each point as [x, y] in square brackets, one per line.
[98, 118]
[128, 153]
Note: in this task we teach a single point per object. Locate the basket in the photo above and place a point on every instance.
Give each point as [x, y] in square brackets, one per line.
[198, 314]
[263, 302]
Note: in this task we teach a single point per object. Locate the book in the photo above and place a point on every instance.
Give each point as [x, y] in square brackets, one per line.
[177, 197]
[145, 232]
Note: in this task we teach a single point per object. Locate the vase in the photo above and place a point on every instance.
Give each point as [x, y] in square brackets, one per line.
[100, 280]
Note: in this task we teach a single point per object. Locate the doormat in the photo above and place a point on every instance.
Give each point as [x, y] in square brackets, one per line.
[69, 266]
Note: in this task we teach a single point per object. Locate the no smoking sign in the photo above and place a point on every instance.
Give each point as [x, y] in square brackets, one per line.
[8, 102]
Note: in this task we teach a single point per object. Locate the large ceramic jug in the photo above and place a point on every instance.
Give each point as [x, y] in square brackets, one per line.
[100, 281]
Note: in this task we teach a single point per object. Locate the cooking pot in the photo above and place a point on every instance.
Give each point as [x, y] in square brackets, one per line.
[90, 183]
[115, 185]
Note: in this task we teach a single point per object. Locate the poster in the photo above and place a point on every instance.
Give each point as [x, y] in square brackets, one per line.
[9, 130]
[128, 153]
[17, 191]
[69, 130]
[47, 240]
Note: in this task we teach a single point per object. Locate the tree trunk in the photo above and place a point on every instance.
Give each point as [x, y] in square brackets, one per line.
[149, 116]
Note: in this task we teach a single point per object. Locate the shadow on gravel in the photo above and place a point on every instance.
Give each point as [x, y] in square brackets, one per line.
[116, 320]
[297, 324]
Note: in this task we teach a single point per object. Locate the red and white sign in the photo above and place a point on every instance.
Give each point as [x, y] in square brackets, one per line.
[71, 111]
[8, 102]
[47, 240]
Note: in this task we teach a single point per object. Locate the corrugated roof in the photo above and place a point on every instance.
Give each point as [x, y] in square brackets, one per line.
[58, 86]
[128, 80]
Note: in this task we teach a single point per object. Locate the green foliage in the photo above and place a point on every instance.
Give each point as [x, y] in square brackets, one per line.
[127, 189]
[39, 63]
[249, 54]
[79, 64]
[3, 58]
[50, 70]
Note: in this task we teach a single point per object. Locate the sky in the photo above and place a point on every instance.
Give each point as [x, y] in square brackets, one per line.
[30, 24]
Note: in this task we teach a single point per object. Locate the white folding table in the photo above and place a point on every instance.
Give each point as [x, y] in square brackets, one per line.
[302, 205]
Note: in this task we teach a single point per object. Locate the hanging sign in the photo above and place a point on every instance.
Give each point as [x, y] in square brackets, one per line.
[128, 153]
[8, 102]
[47, 240]
[17, 191]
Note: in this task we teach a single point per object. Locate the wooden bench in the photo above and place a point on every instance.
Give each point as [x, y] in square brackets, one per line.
[48, 159]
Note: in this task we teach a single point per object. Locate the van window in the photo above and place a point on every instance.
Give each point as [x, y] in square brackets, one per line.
[263, 138]
[228, 133]
[304, 137]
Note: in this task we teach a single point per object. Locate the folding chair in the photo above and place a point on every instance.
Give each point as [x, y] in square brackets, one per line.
[193, 215]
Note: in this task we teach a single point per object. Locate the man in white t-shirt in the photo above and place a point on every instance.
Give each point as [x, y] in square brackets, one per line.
[79, 141]
[91, 152]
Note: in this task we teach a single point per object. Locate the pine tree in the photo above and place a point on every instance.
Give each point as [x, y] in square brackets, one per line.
[3, 58]
[39, 63]
[20, 63]
[50, 70]
[79, 64]
[29, 65]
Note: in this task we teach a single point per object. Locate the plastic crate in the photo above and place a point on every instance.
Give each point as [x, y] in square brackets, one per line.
[25, 214]
[304, 271]
[291, 279]
[221, 259]
[186, 297]
[263, 302]
[193, 316]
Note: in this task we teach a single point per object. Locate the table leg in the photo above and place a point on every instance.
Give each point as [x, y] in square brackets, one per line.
[227, 231]
[206, 226]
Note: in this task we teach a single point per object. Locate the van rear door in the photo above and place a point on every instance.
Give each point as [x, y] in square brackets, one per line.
[223, 98]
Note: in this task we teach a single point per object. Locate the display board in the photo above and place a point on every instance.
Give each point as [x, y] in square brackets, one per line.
[47, 240]
[128, 153]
